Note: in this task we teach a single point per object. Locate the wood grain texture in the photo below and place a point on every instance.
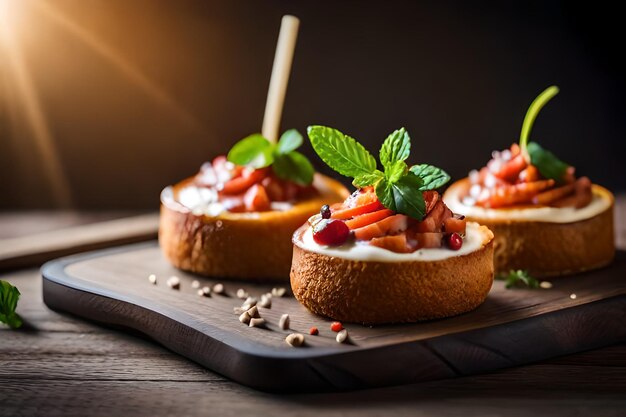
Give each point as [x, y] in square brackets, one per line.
[112, 287]
[32, 248]
[73, 368]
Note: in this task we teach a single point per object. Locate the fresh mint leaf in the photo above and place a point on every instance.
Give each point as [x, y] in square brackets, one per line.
[431, 176]
[548, 165]
[517, 278]
[294, 167]
[395, 148]
[532, 113]
[289, 141]
[341, 152]
[395, 171]
[368, 179]
[9, 295]
[403, 196]
[254, 151]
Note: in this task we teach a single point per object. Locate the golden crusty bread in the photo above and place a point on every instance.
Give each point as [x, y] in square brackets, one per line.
[547, 248]
[253, 246]
[374, 292]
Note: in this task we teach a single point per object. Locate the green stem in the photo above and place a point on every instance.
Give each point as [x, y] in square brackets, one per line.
[534, 109]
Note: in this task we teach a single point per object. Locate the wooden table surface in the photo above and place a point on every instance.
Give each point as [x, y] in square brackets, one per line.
[60, 365]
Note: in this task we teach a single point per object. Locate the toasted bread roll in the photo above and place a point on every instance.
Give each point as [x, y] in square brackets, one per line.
[375, 292]
[254, 246]
[542, 240]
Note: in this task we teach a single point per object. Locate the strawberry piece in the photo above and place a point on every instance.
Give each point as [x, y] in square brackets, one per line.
[348, 213]
[368, 218]
[388, 226]
[428, 240]
[246, 180]
[397, 243]
[432, 222]
[330, 232]
[256, 199]
[454, 225]
[512, 168]
[430, 199]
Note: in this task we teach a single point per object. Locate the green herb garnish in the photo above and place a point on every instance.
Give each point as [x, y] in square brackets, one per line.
[398, 187]
[257, 152]
[548, 165]
[517, 278]
[8, 302]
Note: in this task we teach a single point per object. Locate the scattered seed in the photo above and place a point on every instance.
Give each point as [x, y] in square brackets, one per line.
[266, 302]
[267, 294]
[238, 310]
[195, 284]
[295, 339]
[254, 312]
[173, 282]
[257, 322]
[218, 288]
[336, 326]
[241, 293]
[283, 323]
[545, 285]
[342, 336]
[249, 303]
[152, 279]
[572, 296]
[204, 291]
[278, 292]
[245, 317]
[313, 331]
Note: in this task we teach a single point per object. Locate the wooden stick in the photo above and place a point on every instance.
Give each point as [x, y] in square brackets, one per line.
[280, 77]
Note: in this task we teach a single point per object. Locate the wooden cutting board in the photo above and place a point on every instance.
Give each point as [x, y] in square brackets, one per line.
[513, 327]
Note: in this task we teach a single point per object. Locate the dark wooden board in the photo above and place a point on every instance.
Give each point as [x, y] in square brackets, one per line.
[513, 327]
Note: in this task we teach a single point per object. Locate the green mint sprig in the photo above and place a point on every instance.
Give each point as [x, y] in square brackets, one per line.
[397, 186]
[546, 162]
[288, 164]
[9, 295]
[517, 278]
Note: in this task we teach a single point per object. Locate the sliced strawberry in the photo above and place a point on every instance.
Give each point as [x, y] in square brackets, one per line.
[430, 199]
[512, 168]
[454, 225]
[397, 243]
[432, 222]
[274, 188]
[348, 213]
[388, 226]
[256, 199]
[368, 218]
[428, 240]
[246, 180]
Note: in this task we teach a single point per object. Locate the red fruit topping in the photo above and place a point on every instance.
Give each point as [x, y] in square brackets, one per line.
[430, 199]
[336, 326]
[241, 184]
[455, 241]
[358, 210]
[454, 225]
[395, 243]
[313, 331]
[330, 232]
[256, 199]
[391, 225]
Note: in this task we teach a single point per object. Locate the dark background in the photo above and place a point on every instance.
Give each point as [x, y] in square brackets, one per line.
[135, 95]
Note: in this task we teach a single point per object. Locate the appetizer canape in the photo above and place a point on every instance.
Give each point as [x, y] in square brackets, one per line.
[392, 251]
[236, 216]
[546, 220]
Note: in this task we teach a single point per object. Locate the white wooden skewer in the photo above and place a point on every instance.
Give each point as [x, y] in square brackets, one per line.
[280, 77]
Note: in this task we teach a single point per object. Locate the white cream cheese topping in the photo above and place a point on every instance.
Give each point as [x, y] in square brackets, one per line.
[205, 201]
[362, 251]
[599, 203]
